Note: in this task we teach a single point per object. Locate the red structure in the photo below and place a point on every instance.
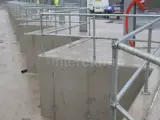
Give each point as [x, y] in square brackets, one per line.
[141, 5]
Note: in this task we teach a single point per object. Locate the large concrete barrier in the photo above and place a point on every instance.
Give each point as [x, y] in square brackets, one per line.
[32, 47]
[74, 86]
[25, 28]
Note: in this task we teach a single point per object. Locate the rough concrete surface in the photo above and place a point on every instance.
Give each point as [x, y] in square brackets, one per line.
[140, 109]
[154, 112]
[65, 69]
[19, 93]
[68, 88]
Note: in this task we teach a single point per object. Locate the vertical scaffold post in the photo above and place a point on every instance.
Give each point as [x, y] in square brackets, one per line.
[70, 31]
[83, 10]
[26, 12]
[55, 18]
[146, 91]
[41, 27]
[62, 17]
[89, 22]
[20, 13]
[114, 80]
[94, 40]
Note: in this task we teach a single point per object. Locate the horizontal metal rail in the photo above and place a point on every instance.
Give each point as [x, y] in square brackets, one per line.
[83, 14]
[38, 19]
[98, 37]
[133, 78]
[65, 28]
[64, 11]
[53, 8]
[136, 52]
[60, 11]
[35, 6]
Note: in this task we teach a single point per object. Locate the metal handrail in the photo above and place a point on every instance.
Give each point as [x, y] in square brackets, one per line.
[65, 28]
[138, 53]
[93, 36]
[133, 78]
[101, 15]
[116, 97]
[24, 9]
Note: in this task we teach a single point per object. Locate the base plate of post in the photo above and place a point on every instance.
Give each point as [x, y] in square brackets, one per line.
[146, 93]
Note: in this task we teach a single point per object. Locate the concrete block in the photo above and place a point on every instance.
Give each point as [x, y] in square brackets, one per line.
[21, 30]
[32, 47]
[80, 92]
[73, 86]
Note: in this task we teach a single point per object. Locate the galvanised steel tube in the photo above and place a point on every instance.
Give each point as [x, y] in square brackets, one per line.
[114, 79]
[55, 18]
[83, 14]
[133, 33]
[52, 7]
[133, 78]
[65, 28]
[130, 82]
[94, 40]
[148, 64]
[143, 55]
[70, 25]
[89, 25]
[38, 20]
[96, 37]
[41, 28]
[124, 112]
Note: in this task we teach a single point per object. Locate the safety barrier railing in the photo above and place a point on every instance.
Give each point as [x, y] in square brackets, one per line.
[30, 12]
[58, 13]
[149, 57]
[19, 9]
[26, 1]
[35, 17]
[89, 22]
[116, 44]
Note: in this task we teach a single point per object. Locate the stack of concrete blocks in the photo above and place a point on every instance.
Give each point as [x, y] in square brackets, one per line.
[74, 86]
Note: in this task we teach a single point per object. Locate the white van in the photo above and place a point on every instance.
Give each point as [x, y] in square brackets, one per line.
[97, 6]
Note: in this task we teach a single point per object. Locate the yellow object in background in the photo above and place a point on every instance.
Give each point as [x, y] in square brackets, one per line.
[38, 1]
[56, 2]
